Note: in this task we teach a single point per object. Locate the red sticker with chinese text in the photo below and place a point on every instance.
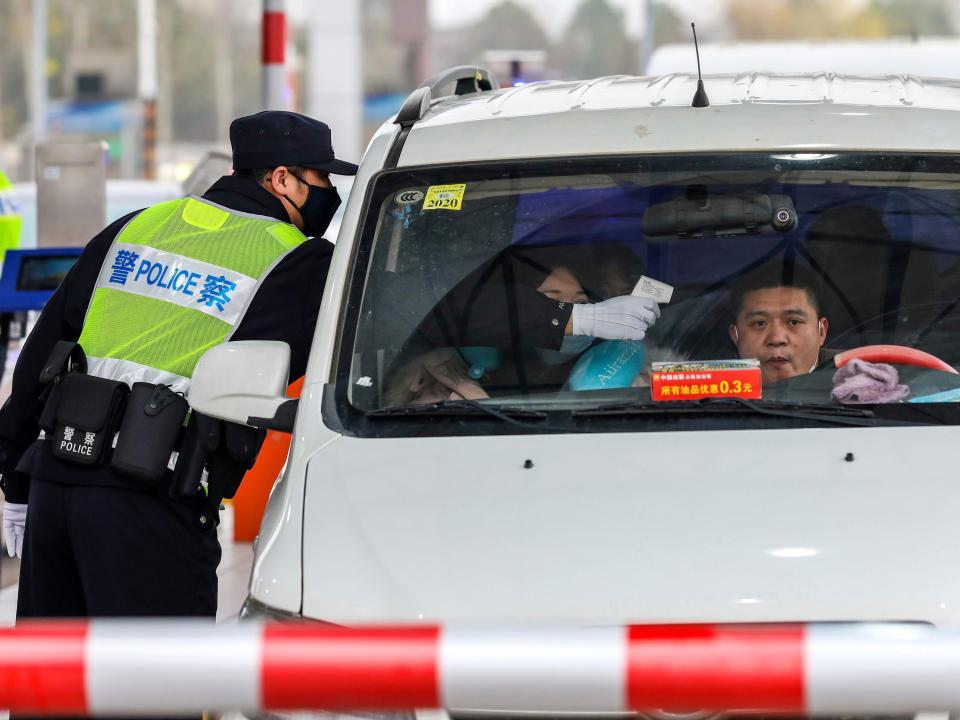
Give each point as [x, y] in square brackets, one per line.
[671, 382]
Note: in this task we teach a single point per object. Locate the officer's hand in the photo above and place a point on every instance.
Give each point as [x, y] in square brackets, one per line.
[621, 318]
[14, 523]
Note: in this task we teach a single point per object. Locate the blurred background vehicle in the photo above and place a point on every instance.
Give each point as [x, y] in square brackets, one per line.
[123, 196]
[929, 57]
[126, 196]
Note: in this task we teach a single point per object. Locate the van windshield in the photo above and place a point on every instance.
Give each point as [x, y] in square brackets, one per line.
[677, 285]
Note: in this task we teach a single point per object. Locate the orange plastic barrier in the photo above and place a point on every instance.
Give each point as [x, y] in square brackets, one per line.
[251, 499]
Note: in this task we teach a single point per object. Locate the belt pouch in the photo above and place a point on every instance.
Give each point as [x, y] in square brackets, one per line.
[149, 433]
[65, 358]
[85, 417]
[51, 402]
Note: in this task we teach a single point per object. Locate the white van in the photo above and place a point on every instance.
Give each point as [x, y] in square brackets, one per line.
[551, 495]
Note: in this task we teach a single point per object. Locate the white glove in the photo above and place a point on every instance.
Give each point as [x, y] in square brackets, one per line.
[621, 318]
[14, 523]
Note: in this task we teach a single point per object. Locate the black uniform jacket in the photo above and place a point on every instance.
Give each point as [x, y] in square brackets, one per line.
[495, 313]
[284, 308]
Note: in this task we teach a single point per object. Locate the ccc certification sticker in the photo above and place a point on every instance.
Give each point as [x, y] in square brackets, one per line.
[444, 197]
[408, 197]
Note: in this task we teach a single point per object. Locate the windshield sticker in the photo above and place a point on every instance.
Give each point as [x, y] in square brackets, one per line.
[672, 382]
[408, 197]
[654, 289]
[444, 197]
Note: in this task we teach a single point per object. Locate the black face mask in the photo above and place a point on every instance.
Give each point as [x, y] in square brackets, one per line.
[318, 209]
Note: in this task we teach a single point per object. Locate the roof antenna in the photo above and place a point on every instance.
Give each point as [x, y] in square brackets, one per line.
[700, 99]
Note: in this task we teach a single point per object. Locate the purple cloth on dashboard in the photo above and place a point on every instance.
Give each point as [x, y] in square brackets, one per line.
[864, 382]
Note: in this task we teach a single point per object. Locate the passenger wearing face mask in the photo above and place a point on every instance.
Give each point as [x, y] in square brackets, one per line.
[578, 281]
[521, 320]
[563, 286]
[445, 374]
[148, 295]
[498, 304]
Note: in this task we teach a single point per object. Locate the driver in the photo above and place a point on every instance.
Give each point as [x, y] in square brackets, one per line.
[777, 319]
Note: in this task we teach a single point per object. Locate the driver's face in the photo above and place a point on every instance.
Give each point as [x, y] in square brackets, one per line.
[779, 326]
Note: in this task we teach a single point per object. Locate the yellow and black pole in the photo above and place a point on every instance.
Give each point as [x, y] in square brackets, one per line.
[147, 82]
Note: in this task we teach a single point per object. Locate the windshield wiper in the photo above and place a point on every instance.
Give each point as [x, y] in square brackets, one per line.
[825, 413]
[838, 414]
[460, 408]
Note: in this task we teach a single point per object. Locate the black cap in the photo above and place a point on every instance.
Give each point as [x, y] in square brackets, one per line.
[276, 137]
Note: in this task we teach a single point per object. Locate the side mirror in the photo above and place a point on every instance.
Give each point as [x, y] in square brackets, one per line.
[245, 382]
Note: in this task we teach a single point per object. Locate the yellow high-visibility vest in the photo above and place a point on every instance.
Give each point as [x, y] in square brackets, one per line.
[177, 281]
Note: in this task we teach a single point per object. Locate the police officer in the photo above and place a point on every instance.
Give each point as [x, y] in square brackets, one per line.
[146, 298]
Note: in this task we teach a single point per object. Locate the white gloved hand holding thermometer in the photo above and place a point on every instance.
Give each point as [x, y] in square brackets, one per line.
[14, 524]
[627, 317]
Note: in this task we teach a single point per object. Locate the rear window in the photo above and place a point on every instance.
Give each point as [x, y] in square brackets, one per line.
[772, 270]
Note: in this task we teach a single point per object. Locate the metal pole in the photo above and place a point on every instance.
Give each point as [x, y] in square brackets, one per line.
[335, 94]
[147, 81]
[223, 72]
[647, 35]
[273, 47]
[38, 71]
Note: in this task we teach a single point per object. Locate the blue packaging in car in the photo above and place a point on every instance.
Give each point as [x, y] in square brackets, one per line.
[609, 364]
[940, 397]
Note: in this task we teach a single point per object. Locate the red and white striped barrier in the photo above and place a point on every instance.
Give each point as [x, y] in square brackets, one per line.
[177, 667]
[273, 44]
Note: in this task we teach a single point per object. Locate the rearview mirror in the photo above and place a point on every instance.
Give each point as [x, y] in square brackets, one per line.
[701, 214]
[245, 382]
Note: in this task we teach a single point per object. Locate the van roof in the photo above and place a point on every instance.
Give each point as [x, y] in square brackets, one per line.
[751, 111]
